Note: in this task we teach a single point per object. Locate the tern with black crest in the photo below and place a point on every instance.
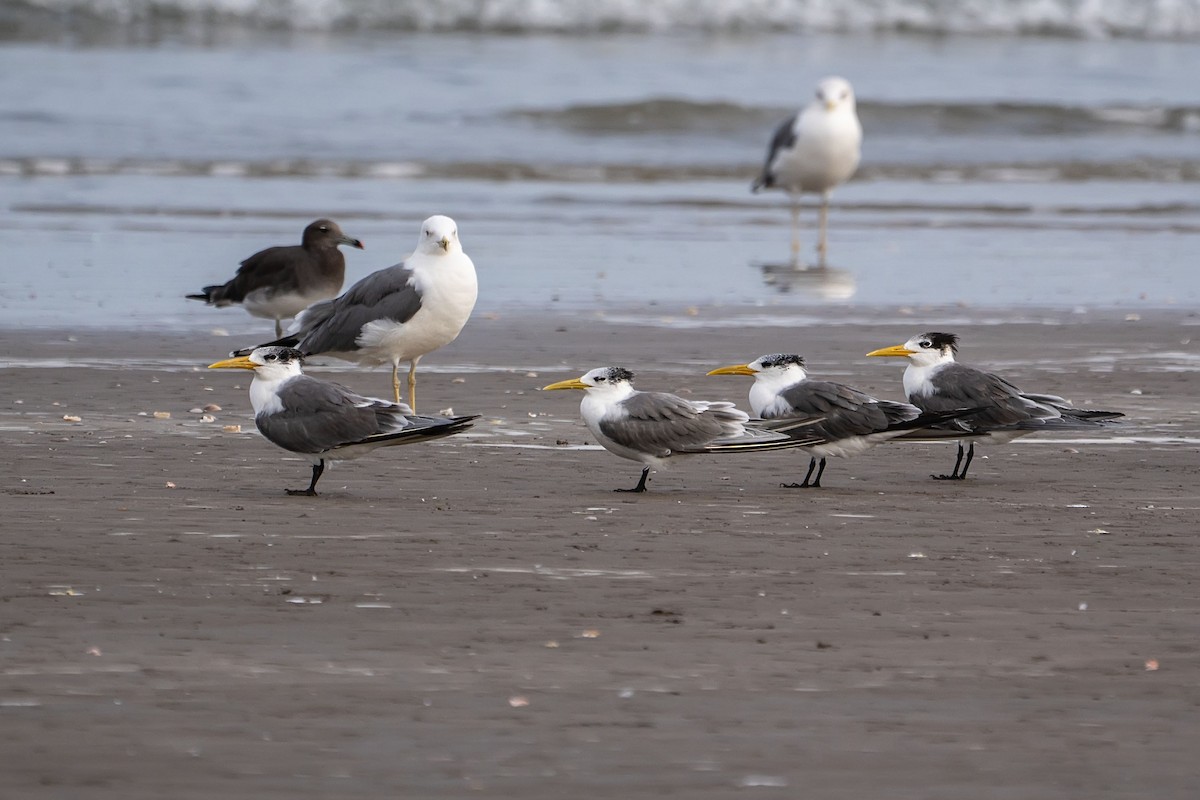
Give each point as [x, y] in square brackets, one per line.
[326, 421]
[650, 427]
[280, 282]
[934, 381]
[849, 421]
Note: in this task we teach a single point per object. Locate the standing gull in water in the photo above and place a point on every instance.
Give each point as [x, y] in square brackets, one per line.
[280, 282]
[326, 421]
[814, 151]
[849, 421]
[396, 314]
[650, 427]
[934, 381]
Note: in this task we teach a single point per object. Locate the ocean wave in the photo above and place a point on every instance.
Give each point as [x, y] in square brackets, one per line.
[1134, 170]
[659, 115]
[1144, 19]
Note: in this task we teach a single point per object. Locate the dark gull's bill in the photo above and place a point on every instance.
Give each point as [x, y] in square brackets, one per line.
[650, 427]
[326, 421]
[934, 381]
[280, 282]
[816, 150]
[848, 420]
[396, 314]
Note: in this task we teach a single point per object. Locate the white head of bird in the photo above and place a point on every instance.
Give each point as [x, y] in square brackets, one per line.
[271, 363]
[272, 366]
[836, 94]
[439, 235]
[923, 350]
[927, 354]
[772, 375]
[609, 384]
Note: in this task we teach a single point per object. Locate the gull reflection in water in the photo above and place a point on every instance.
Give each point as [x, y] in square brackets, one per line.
[823, 282]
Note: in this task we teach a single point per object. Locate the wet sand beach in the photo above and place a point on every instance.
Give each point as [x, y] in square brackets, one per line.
[483, 616]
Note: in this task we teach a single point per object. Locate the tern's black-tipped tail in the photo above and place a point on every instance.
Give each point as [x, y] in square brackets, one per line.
[785, 443]
[765, 434]
[930, 418]
[1091, 415]
[423, 429]
[935, 425]
[286, 341]
[793, 427]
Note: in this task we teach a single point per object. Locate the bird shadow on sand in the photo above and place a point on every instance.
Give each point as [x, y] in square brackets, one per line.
[794, 277]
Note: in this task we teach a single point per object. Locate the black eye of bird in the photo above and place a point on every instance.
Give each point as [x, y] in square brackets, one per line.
[927, 345]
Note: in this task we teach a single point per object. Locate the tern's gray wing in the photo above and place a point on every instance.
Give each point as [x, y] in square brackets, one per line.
[658, 423]
[957, 386]
[334, 326]
[844, 410]
[318, 416]
[1089, 416]
[785, 137]
[1070, 414]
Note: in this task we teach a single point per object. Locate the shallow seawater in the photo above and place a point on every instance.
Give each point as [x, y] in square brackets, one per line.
[599, 172]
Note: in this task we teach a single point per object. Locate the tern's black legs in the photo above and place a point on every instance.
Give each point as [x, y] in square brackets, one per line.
[956, 475]
[812, 464]
[311, 491]
[641, 487]
[967, 465]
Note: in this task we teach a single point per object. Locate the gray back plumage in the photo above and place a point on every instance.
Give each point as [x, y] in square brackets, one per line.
[959, 386]
[658, 423]
[1005, 406]
[334, 325]
[844, 410]
[318, 416]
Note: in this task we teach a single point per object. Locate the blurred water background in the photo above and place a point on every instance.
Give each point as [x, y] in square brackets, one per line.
[597, 154]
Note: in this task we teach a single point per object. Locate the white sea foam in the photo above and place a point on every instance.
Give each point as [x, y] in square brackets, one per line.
[1131, 18]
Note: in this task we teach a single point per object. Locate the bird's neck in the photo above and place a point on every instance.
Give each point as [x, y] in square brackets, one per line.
[264, 391]
[918, 377]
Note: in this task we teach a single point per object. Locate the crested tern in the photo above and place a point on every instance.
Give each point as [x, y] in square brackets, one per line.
[280, 282]
[814, 151]
[850, 421]
[934, 381]
[326, 421]
[396, 314]
[650, 427]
